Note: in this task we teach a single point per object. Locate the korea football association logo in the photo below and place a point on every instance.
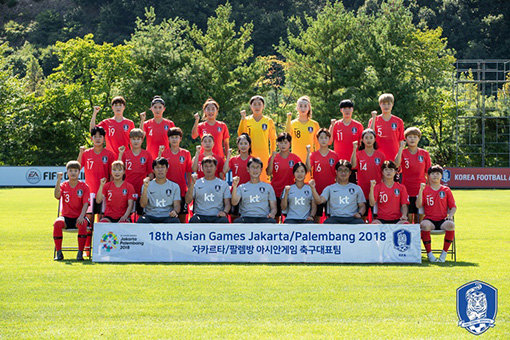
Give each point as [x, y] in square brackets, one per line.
[217, 188]
[351, 191]
[105, 159]
[310, 129]
[447, 175]
[218, 129]
[124, 192]
[291, 163]
[79, 193]
[142, 160]
[442, 194]
[397, 192]
[402, 240]
[166, 127]
[331, 161]
[393, 126]
[262, 189]
[377, 161]
[420, 159]
[264, 127]
[168, 192]
[181, 159]
[125, 127]
[354, 130]
[477, 306]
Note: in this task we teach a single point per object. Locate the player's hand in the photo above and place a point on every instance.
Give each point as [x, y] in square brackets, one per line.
[198, 149]
[194, 178]
[222, 214]
[333, 121]
[102, 181]
[403, 218]
[422, 186]
[235, 181]
[229, 153]
[97, 109]
[308, 148]
[289, 115]
[271, 215]
[357, 215]
[312, 183]
[59, 176]
[143, 115]
[173, 213]
[124, 219]
[355, 145]
[310, 218]
[402, 144]
[161, 148]
[287, 189]
[197, 116]
[146, 181]
[373, 183]
[243, 114]
[449, 218]
[80, 219]
[83, 148]
[122, 148]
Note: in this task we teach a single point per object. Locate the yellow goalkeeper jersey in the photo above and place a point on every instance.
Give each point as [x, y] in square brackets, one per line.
[303, 134]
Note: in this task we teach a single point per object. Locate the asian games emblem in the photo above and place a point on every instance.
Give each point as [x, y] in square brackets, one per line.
[109, 241]
[402, 240]
[477, 306]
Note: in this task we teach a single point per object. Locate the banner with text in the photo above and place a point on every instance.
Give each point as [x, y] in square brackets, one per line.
[31, 176]
[481, 178]
[368, 243]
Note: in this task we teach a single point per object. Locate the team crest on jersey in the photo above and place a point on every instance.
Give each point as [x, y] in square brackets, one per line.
[377, 161]
[142, 160]
[442, 194]
[166, 127]
[218, 128]
[126, 127]
[354, 130]
[181, 159]
[310, 129]
[291, 163]
[331, 161]
[262, 189]
[307, 192]
[124, 192]
[105, 159]
[420, 159]
[397, 192]
[168, 192]
[217, 187]
[402, 240]
[477, 306]
[79, 192]
[264, 127]
[351, 191]
[393, 126]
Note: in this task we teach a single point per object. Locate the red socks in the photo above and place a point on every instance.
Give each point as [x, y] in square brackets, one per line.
[448, 239]
[57, 233]
[82, 235]
[425, 237]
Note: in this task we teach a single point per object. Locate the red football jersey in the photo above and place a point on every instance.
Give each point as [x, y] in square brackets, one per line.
[73, 199]
[219, 166]
[240, 168]
[323, 169]
[156, 135]
[219, 131]
[437, 202]
[178, 165]
[389, 200]
[369, 168]
[344, 135]
[96, 166]
[117, 133]
[137, 168]
[414, 169]
[116, 198]
[282, 172]
[388, 135]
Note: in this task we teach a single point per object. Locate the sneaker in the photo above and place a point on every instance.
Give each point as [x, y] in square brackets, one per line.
[79, 256]
[59, 256]
[442, 257]
[431, 257]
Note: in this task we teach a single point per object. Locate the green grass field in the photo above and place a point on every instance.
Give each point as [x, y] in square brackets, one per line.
[40, 298]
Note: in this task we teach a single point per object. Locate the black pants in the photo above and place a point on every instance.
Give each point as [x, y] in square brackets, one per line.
[208, 219]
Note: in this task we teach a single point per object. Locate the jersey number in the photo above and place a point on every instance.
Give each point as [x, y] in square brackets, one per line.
[111, 131]
[383, 198]
[66, 198]
[129, 165]
[109, 196]
[430, 201]
[407, 163]
[318, 167]
[90, 164]
[379, 131]
[297, 133]
[339, 135]
[363, 166]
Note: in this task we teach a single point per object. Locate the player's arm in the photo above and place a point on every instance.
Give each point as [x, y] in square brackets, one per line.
[125, 217]
[93, 118]
[80, 154]
[142, 120]
[226, 168]
[269, 169]
[194, 130]
[226, 208]
[371, 196]
[318, 199]
[99, 195]
[398, 158]
[144, 199]
[331, 129]
[272, 205]
[371, 123]
[361, 210]
[83, 212]
[285, 199]
[160, 150]
[451, 213]
[404, 211]
[226, 145]
[189, 194]
[194, 165]
[307, 162]
[242, 124]
[235, 197]
[354, 159]
[176, 209]
[56, 192]
[272, 137]
[313, 211]
[122, 148]
[419, 199]
[288, 123]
